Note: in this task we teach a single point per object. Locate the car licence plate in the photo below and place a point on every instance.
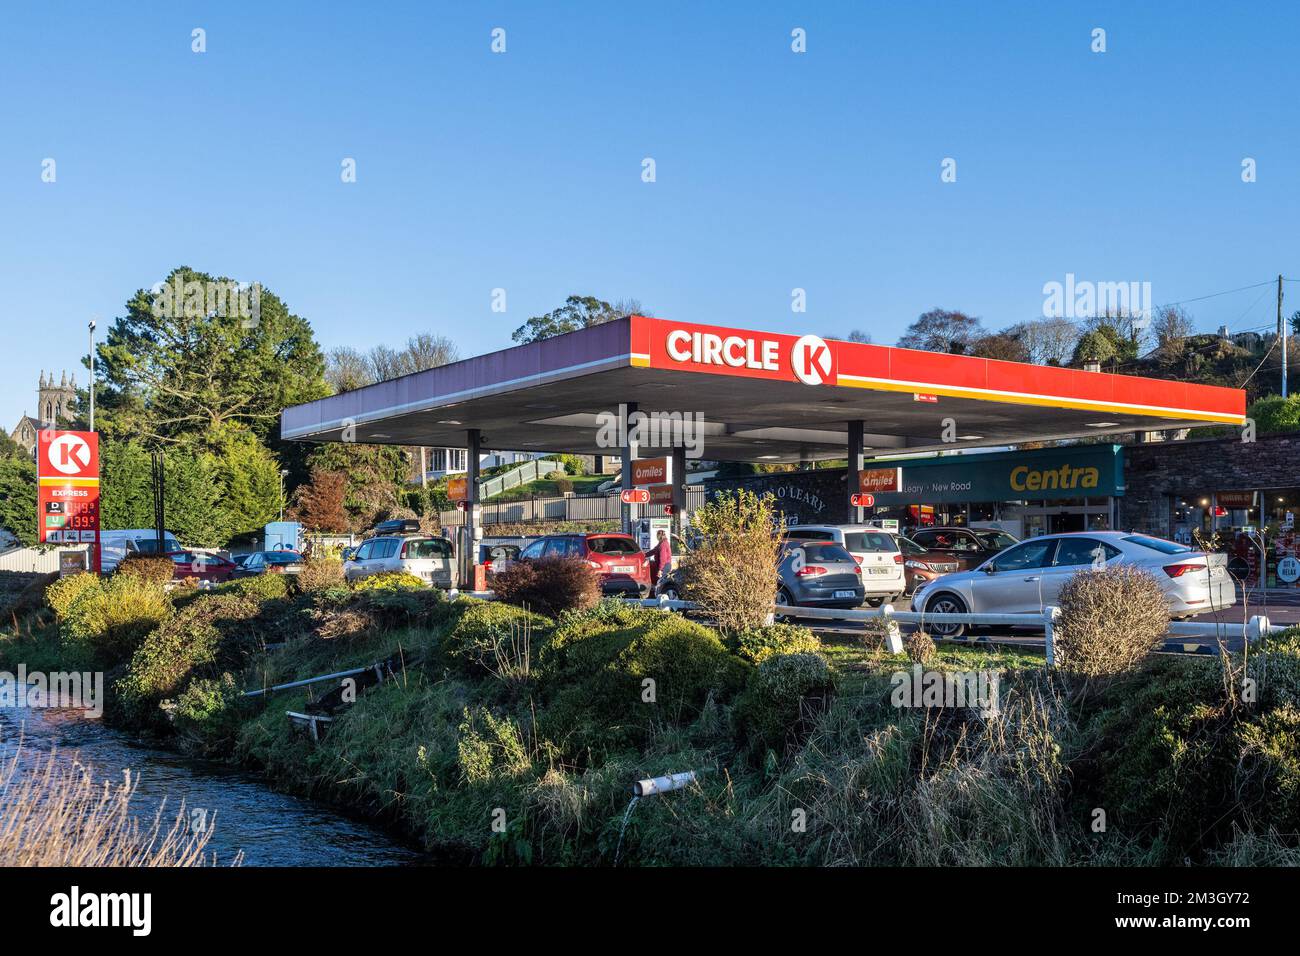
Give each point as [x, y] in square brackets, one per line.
[877, 570]
[624, 569]
[845, 594]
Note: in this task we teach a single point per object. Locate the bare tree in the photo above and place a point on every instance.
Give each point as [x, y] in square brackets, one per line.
[1048, 341]
[346, 369]
[1171, 324]
[942, 330]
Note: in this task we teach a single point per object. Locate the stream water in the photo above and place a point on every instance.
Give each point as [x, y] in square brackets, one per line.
[272, 829]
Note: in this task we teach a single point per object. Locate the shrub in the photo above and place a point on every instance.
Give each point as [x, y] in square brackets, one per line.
[573, 464]
[207, 715]
[759, 643]
[549, 586]
[321, 574]
[920, 647]
[215, 633]
[114, 617]
[564, 485]
[64, 591]
[259, 587]
[390, 581]
[734, 571]
[1110, 620]
[487, 632]
[152, 567]
[555, 475]
[614, 685]
[777, 707]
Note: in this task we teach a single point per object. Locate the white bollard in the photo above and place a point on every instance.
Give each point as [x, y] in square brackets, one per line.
[675, 781]
[1050, 616]
[1257, 628]
[893, 637]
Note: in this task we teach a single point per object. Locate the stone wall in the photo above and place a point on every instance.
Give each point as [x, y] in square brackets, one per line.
[1154, 473]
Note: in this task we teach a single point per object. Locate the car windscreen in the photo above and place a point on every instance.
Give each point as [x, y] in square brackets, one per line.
[1156, 544]
[282, 557]
[818, 552]
[995, 540]
[429, 548]
[612, 545]
[150, 545]
[869, 541]
[908, 546]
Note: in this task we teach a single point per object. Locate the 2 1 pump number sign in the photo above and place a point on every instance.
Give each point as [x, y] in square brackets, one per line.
[67, 466]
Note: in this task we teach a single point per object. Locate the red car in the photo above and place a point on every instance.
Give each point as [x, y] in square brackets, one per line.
[205, 567]
[614, 558]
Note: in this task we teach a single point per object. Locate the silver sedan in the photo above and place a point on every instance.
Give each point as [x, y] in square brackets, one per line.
[1028, 577]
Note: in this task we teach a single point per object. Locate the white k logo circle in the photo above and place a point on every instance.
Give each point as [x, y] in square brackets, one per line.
[810, 357]
[69, 454]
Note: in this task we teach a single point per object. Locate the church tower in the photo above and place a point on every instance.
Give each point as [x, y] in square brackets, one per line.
[55, 402]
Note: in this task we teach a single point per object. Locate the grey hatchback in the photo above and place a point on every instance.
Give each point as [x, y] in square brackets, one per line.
[819, 574]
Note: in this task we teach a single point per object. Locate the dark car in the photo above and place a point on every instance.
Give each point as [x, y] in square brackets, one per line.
[971, 545]
[269, 562]
[200, 565]
[819, 574]
[923, 565]
[615, 559]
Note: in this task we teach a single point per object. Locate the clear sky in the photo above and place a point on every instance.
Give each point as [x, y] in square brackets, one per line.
[523, 170]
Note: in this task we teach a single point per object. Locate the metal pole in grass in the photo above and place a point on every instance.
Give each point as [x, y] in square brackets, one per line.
[1050, 616]
[893, 637]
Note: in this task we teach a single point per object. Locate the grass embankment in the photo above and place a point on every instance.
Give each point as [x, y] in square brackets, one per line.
[508, 737]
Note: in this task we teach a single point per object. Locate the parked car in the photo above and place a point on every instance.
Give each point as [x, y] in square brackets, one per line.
[117, 544]
[972, 545]
[876, 552]
[211, 568]
[818, 574]
[429, 558]
[268, 562]
[1029, 576]
[923, 565]
[615, 559]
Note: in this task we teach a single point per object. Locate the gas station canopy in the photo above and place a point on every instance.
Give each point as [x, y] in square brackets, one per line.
[762, 396]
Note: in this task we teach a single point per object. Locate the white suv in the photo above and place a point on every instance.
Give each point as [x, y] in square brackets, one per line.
[877, 553]
[429, 558]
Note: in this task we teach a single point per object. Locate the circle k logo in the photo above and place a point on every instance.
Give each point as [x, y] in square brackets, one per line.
[810, 357]
[69, 454]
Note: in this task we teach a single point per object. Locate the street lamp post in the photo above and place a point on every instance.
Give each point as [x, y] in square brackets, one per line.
[284, 473]
[92, 375]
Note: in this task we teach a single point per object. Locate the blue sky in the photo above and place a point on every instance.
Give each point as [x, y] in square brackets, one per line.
[522, 170]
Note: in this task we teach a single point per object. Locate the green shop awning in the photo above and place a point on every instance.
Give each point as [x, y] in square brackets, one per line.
[1040, 474]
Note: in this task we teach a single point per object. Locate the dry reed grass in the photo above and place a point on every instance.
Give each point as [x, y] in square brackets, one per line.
[54, 813]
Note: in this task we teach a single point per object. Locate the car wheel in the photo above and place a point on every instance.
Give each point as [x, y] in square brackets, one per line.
[670, 592]
[874, 602]
[946, 604]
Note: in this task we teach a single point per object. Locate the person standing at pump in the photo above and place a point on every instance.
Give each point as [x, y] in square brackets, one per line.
[661, 560]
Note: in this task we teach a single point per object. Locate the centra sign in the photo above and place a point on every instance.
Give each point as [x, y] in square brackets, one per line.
[1036, 475]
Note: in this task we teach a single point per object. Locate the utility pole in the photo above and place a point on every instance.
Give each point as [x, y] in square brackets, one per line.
[92, 374]
[1281, 331]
